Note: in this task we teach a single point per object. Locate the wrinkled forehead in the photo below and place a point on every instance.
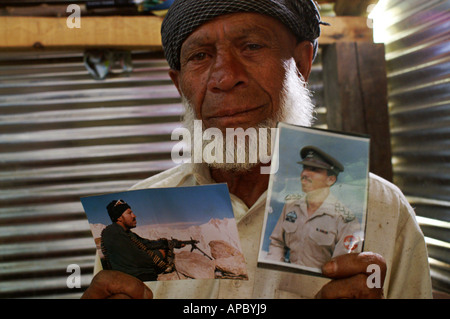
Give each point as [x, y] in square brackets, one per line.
[236, 26]
[185, 16]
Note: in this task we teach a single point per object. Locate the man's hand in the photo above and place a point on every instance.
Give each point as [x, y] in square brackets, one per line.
[349, 273]
[110, 284]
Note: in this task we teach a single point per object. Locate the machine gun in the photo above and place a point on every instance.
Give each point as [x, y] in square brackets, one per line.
[175, 243]
[181, 243]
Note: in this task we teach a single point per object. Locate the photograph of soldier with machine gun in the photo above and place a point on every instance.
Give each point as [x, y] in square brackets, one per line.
[173, 242]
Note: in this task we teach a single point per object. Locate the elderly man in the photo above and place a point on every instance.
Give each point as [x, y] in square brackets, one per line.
[245, 64]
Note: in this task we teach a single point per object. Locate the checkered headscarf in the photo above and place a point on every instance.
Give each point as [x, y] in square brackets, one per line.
[184, 16]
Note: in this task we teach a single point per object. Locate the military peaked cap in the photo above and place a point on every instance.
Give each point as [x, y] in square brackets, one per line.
[315, 157]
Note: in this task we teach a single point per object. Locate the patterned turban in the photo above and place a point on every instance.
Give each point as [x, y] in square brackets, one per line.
[184, 16]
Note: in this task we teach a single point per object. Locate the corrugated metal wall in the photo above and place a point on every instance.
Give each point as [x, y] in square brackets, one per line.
[64, 135]
[418, 62]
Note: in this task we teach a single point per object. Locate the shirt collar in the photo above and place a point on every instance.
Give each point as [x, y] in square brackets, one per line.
[201, 173]
[327, 207]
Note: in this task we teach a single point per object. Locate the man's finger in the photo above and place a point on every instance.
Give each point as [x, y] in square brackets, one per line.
[350, 288]
[356, 263]
[116, 284]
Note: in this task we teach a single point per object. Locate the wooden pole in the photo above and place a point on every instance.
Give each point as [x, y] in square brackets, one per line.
[355, 92]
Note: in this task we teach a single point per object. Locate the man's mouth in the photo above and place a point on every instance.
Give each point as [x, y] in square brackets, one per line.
[234, 112]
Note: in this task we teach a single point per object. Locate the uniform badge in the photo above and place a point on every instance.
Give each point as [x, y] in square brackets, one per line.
[350, 243]
[344, 212]
[323, 231]
[291, 217]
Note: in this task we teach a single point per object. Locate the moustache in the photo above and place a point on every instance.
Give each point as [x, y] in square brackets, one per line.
[304, 178]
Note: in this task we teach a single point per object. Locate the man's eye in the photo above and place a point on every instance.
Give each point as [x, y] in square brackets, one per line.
[198, 56]
[254, 46]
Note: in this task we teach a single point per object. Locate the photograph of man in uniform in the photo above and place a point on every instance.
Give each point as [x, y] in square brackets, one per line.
[126, 251]
[316, 226]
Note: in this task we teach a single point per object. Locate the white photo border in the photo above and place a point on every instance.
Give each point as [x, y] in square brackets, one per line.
[288, 150]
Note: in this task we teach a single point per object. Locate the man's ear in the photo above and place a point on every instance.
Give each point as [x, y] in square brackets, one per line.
[303, 56]
[331, 179]
[175, 76]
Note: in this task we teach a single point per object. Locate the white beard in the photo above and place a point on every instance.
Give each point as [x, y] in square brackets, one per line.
[296, 108]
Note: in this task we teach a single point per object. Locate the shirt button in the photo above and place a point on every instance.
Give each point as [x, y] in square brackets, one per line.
[237, 283]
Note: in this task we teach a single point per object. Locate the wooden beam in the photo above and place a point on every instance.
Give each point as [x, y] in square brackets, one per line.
[345, 29]
[355, 92]
[136, 32]
[352, 8]
[51, 33]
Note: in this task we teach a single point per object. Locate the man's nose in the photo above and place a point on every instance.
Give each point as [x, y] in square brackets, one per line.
[226, 73]
[304, 172]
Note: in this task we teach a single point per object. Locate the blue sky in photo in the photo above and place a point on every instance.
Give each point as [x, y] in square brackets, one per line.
[182, 206]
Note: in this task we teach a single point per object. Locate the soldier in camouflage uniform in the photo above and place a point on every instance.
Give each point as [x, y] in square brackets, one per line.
[314, 227]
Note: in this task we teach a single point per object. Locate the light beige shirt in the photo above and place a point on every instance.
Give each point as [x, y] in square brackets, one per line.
[391, 231]
[332, 230]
